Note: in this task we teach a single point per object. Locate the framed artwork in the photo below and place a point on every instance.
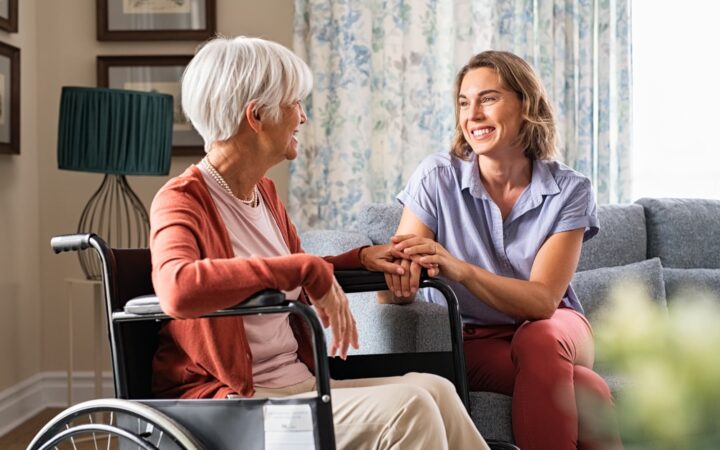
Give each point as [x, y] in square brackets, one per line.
[165, 20]
[153, 73]
[9, 99]
[9, 15]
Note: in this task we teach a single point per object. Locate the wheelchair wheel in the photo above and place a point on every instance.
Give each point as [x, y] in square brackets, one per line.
[113, 424]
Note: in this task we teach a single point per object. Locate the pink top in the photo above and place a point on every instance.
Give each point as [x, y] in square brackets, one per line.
[254, 232]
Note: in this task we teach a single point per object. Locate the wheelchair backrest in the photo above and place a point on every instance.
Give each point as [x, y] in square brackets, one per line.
[133, 344]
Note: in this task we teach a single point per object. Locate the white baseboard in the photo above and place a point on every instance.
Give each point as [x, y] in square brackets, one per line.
[46, 390]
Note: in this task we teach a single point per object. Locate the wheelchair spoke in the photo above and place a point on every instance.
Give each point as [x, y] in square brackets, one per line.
[90, 417]
[112, 417]
[72, 439]
[162, 433]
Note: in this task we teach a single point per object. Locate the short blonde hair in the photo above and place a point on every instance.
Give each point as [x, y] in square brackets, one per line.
[226, 74]
[537, 132]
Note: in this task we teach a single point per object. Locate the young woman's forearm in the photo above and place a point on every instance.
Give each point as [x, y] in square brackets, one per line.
[519, 298]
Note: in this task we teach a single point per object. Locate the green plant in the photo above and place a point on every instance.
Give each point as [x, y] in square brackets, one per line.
[671, 359]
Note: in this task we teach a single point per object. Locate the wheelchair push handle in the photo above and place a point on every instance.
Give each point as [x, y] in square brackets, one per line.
[71, 242]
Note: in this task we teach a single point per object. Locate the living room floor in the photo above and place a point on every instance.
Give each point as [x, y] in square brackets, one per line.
[20, 437]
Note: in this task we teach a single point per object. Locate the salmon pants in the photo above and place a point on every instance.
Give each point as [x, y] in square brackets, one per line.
[558, 402]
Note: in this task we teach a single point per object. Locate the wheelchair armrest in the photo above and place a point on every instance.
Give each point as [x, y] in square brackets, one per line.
[267, 297]
[264, 302]
[145, 304]
[150, 304]
[360, 280]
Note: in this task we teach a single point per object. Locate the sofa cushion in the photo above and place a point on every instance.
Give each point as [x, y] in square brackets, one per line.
[683, 232]
[379, 221]
[684, 282]
[622, 238]
[331, 242]
[593, 286]
[492, 415]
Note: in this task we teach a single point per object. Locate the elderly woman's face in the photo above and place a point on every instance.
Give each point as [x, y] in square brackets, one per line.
[284, 132]
[490, 115]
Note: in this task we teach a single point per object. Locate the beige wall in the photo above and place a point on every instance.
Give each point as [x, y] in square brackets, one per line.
[39, 201]
[20, 276]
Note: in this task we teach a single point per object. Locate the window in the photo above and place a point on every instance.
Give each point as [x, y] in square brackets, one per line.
[676, 99]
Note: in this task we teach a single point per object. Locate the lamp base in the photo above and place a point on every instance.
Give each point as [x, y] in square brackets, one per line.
[115, 213]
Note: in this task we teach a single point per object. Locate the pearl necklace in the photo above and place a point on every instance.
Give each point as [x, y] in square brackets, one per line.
[254, 199]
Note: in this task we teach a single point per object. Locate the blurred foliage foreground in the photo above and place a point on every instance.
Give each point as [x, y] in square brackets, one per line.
[670, 359]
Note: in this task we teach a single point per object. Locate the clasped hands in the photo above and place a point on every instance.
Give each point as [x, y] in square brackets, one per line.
[415, 253]
[401, 261]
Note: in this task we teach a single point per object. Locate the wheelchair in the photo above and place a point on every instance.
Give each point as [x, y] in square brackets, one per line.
[134, 419]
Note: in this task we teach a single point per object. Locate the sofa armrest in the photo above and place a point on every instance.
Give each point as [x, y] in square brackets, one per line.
[417, 327]
[406, 329]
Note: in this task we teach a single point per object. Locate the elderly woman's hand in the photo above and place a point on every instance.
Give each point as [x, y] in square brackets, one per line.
[379, 258]
[334, 311]
[401, 275]
[405, 286]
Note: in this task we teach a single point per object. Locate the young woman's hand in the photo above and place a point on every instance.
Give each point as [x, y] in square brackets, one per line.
[405, 286]
[334, 311]
[429, 254]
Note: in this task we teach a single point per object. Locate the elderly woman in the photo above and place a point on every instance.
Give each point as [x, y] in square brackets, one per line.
[504, 223]
[220, 233]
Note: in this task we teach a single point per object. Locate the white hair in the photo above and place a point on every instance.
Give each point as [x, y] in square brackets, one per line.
[226, 74]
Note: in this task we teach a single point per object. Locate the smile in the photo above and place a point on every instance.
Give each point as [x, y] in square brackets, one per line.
[480, 133]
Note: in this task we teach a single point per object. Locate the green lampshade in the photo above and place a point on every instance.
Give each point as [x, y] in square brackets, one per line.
[115, 131]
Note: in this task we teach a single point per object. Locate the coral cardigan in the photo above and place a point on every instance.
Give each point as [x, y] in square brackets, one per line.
[194, 272]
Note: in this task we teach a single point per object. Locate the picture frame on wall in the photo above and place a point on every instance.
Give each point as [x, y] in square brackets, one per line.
[160, 73]
[9, 99]
[9, 15]
[144, 20]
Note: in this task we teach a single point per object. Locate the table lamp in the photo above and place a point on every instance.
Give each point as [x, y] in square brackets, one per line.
[115, 132]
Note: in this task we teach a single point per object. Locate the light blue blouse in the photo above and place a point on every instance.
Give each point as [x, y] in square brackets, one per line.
[447, 195]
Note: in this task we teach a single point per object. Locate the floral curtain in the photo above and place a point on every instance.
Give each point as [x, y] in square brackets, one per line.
[384, 72]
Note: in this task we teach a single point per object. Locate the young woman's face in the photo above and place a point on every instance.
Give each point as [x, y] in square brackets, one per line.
[490, 115]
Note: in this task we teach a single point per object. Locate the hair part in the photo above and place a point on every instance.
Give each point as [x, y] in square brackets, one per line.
[227, 74]
[537, 133]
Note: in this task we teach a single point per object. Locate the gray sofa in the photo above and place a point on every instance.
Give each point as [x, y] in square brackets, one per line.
[667, 244]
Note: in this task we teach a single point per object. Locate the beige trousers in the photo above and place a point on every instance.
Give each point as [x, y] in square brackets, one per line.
[416, 411]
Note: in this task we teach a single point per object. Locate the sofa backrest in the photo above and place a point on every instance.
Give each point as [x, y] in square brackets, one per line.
[379, 221]
[622, 238]
[683, 233]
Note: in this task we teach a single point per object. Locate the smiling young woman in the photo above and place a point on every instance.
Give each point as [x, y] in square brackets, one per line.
[504, 224]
